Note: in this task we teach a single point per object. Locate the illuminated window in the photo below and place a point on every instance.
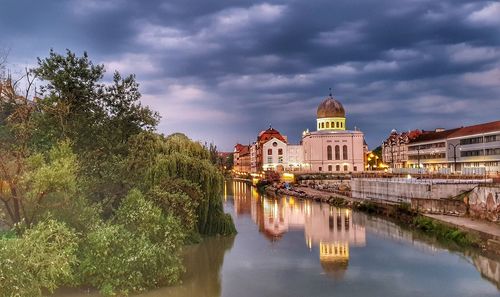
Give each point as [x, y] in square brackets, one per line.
[328, 124]
[269, 151]
[332, 124]
[337, 152]
[322, 125]
[329, 152]
[344, 152]
[345, 168]
[269, 159]
[338, 125]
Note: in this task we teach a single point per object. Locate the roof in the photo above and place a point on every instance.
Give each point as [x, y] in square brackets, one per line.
[330, 108]
[477, 129]
[426, 136]
[265, 135]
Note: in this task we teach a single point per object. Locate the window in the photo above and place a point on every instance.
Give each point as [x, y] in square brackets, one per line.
[337, 168]
[280, 159]
[355, 168]
[471, 140]
[269, 151]
[341, 125]
[328, 124]
[322, 125]
[330, 168]
[346, 168]
[472, 153]
[338, 125]
[319, 168]
[332, 124]
[344, 152]
[493, 151]
[275, 144]
[280, 152]
[269, 159]
[319, 125]
[329, 152]
[337, 152]
[491, 138]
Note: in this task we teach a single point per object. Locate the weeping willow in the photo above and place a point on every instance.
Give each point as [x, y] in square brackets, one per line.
[177, 157]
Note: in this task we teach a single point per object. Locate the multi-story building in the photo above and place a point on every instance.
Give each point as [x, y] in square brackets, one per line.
[241, 161]
[475, 149]
[395, 148]
[470, 150]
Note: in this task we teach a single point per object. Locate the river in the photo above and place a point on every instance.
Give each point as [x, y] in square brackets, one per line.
[297, 248]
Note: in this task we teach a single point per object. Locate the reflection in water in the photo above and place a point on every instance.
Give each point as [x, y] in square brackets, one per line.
[331, 229]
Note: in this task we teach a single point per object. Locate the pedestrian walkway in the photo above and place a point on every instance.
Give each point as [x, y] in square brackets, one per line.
[489, 228]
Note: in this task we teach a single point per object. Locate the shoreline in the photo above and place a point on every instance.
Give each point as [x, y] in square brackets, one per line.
[463, 231]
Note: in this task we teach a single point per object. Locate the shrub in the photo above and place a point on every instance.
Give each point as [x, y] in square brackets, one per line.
[41, 259]
[140, 251]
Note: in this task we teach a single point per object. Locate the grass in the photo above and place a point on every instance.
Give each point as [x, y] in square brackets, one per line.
[7, 234]
[445, 232]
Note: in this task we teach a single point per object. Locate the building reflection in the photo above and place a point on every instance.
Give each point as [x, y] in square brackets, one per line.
[332, 230]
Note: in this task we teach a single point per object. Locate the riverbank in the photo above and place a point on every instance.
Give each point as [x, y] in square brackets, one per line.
[460, 230]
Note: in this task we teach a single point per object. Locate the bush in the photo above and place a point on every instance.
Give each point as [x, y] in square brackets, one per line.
[41, 259]
[443, 232]
[140, 251]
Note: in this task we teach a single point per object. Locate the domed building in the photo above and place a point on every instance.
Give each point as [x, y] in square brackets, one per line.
[332, 148]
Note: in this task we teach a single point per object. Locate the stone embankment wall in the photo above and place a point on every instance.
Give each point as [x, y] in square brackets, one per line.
[484, 202]
[430, 196]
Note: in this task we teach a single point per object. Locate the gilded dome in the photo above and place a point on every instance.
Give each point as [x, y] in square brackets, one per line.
[330, 108]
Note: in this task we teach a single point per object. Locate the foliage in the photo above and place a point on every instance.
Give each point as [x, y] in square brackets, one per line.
[141, 250]
[41, 259]
[444, 232]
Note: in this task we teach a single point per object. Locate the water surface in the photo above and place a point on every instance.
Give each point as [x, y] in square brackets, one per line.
[298, 248]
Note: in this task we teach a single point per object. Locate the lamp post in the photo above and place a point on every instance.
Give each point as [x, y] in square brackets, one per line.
[454, 156]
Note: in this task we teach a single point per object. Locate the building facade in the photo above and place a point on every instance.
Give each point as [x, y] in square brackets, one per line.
[395, 148]
[468, 150]
[332, 148]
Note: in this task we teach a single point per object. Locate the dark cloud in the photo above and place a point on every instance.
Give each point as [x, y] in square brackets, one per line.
[221, 70]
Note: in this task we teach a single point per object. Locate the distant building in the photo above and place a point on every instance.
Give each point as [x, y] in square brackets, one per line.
[241, 161]
[395, 148]
[469, 150]
[331, 148]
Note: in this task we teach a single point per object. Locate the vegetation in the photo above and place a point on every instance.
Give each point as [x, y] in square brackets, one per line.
[91, 193]
[444, 232]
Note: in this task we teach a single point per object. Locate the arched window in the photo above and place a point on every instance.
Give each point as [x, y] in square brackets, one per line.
[319, 125]
[338, 126]
[328, 124]
[341, 125]
[329, 152]
[269, 151]
[346, 168]
[322, 125]
[337, 152]
[337, 168]
[344, 152]
[329, 167]
[280, 152]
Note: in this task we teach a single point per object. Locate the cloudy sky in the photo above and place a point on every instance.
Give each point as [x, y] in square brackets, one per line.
[222, 70]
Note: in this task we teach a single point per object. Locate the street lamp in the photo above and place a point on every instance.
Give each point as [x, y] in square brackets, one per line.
[454, 155]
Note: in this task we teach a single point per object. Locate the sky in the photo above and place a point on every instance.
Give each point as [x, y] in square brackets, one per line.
[223, 70]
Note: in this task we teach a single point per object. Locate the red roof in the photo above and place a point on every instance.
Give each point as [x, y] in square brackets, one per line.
[433, 135]
[268, 134]
[477, 129]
